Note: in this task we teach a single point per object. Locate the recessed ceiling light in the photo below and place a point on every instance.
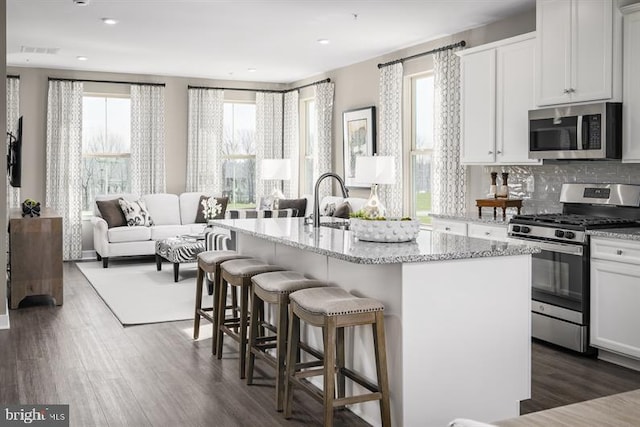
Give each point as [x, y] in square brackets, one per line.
[81, 2]
[81, 58]
[251, 70]
[109, 21]
[323, 41]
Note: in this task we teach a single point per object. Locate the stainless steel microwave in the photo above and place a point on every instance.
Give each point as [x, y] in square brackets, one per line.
[588, 131]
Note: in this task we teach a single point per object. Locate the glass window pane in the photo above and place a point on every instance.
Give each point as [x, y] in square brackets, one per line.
[423, 113]
[238, 176]
[106, 146]
[421, 167]
[308, 176]
[239, 128]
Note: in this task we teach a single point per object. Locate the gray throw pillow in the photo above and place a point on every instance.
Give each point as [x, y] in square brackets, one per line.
[136, 213]
[298, 205]
[222, 201]
[111, 212]
[342, 210]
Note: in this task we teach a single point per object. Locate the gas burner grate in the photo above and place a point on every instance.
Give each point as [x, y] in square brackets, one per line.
[573, 219]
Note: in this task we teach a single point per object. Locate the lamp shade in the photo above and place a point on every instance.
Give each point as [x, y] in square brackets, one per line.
[276, 169]
[375, 170]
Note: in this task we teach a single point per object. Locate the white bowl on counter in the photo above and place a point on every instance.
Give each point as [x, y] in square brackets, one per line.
[385, 231]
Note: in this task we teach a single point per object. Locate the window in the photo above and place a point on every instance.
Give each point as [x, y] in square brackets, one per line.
[106, 146]
[422, 136]
[239, 153]
[310, 143]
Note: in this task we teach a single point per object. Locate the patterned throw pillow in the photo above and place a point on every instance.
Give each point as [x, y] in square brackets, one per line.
[136, 213]
[222, 201]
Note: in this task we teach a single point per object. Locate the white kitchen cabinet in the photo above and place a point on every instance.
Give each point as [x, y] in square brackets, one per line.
[470, 228]
[578, 51]
[615, 296]
[631, 67]
[496, 94]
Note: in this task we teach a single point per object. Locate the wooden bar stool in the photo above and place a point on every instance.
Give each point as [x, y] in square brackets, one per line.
[238, 273]
[273, 288]
[334, 309]
[209, 262]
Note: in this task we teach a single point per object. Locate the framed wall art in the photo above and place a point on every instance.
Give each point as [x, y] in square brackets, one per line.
[359, 130]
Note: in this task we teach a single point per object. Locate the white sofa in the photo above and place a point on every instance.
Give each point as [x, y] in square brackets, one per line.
[172, 216]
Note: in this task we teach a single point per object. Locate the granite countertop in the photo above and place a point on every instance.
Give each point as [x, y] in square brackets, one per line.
[341, 244]
[485, 219]
[618, 233]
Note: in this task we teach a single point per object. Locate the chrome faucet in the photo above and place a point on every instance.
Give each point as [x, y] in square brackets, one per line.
[316, 201]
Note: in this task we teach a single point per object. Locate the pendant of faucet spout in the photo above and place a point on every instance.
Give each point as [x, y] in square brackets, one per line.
[316, 201]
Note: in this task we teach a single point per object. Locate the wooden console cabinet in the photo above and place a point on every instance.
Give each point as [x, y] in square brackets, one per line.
[35, 256]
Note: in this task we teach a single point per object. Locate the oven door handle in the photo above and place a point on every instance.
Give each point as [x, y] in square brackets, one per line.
[553, 247]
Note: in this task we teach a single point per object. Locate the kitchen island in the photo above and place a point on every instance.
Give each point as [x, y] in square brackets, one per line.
[457, 314]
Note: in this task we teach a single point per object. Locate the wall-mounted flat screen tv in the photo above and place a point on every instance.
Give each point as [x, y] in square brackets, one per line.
[14, 156]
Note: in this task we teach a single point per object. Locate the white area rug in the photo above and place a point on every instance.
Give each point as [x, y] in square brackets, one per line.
[136, 293]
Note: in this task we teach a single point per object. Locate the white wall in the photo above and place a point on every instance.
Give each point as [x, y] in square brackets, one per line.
[3, 160]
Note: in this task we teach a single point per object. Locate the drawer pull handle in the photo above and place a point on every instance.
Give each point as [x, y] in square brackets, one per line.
[447, 228]
[619, 251]
[487, 233]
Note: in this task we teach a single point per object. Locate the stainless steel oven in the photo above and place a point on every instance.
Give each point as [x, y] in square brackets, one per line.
[560, 272]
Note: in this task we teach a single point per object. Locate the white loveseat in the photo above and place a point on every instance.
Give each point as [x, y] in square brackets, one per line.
[172, 216]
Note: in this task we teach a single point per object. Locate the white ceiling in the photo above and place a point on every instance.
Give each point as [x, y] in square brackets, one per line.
[222, 39]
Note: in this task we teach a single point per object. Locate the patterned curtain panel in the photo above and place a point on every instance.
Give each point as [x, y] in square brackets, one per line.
[448, 176]
[324, 118]
[291, 146]
[204, 145]
[147, 139]
[390, 134]
[13, 113]
[64, 162]
[268, 136]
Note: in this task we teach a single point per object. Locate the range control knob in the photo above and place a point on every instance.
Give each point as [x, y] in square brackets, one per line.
[515, 228]
[524, 229]
[559, 233]
[569, 234]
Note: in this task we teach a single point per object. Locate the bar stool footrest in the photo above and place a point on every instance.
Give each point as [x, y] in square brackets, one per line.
[357, 378]
[361, 398]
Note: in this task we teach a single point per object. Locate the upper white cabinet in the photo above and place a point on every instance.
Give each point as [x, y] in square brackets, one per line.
[578, 52]
[497, 92]
[631, 104]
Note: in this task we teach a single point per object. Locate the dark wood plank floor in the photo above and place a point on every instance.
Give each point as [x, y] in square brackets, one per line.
[156, 375]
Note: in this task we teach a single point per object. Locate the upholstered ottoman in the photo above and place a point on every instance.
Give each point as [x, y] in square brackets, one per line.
[178, 250]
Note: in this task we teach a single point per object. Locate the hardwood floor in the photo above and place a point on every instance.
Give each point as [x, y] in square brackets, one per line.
[156, 375]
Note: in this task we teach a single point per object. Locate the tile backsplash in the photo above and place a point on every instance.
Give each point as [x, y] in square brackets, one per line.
[539, 186]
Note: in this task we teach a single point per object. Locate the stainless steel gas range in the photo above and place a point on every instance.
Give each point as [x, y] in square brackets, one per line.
[560, 272]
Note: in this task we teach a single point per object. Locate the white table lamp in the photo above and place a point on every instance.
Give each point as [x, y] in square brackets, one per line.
[375, 170]
[276, 170]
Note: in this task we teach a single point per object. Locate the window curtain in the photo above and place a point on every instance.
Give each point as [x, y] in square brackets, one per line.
[291, 145]
[205, 144]
[13, 113]
[147, 139]
[448, 176]
[64, 162]
[324, 118]
[268, 136]
[390, 134]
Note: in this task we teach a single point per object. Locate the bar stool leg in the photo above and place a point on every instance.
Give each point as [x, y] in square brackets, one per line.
[196, 319]
[340, 362]
[244, 301]
[281, 347]
[329, 370]
[253, 333]
[381, 368]
[292, 350]
[217, 307]
[220, 314]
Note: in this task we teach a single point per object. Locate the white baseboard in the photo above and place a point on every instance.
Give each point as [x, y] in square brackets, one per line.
[619, 359]
[4, 318]
[88, 255]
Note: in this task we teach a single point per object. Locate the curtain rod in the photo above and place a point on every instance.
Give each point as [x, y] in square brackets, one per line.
[461, 43]
[106, 81]
[327, 80]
